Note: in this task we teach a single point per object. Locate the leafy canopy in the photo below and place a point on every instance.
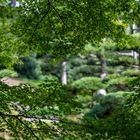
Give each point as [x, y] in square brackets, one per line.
[62, 28]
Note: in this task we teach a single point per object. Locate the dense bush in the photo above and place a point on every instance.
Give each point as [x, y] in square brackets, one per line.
[105, 105]
[82, 71]
[77, 61]
[123, 123]
[116, 59]
[87, 85]
[7, 73]
[116, 82]
[131, 72]
[30, 68]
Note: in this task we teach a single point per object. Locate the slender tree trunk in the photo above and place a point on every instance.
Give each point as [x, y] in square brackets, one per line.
[63, 73]
[103, 63]
[139, 58]
[133, 29]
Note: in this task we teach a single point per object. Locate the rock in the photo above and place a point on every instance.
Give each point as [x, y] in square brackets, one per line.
[101, 92]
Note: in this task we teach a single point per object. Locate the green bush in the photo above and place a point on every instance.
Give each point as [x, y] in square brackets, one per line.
[120, 60]
[77, 61]
[118, 83]
[131, 72]
[51, 78]
[30, 68]
[88, 84]
[105, 105]
[123, 123]
[7, 73]
[82, 71]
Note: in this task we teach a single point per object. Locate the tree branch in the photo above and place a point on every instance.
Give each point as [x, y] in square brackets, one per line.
[42, 18]
[17, 117]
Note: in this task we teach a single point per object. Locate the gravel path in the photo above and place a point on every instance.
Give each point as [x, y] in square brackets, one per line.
[11, 81]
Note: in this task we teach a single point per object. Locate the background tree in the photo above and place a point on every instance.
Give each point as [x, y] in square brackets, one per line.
[62, 29]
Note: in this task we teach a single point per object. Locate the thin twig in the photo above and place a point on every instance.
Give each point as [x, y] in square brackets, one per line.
[3, 117]
[42, 18]
[17, 117]
[30, 129]
[58, 15]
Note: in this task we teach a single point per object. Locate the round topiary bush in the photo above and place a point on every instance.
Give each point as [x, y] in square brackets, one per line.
[87, 84]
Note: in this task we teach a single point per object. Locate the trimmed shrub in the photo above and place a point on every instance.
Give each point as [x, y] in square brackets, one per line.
[88, 84]
[115, 82]
[105, 105]
[8, 73]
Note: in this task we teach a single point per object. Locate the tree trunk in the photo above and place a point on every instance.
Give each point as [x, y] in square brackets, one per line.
[63, 73]
[139, 58]
[103, 63]
[133, 29]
